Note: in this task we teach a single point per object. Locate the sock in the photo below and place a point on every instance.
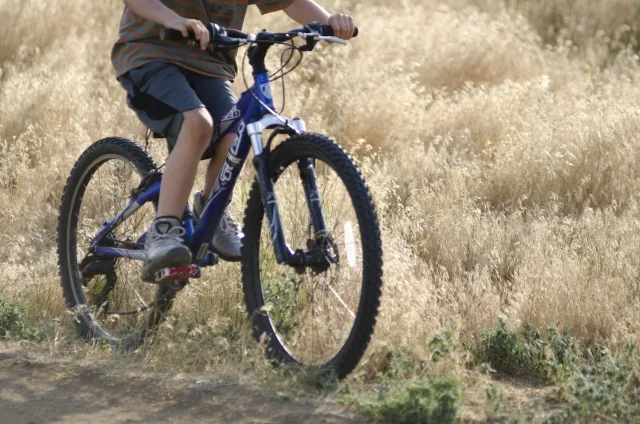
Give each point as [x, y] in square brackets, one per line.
[163, 224]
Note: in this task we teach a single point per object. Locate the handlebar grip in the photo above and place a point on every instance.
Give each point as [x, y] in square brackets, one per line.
[174, 35]
[327, 31]
[234, 33]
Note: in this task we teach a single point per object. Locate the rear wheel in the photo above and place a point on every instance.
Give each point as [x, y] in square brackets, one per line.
[106, 295]
[321, 315]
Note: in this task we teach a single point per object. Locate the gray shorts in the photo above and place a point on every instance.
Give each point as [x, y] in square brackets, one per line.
[160, 92]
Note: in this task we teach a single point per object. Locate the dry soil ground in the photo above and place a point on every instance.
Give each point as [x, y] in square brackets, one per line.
[43, 390]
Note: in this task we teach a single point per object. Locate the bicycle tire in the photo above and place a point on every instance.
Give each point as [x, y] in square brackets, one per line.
[98, 154]
[324, 149]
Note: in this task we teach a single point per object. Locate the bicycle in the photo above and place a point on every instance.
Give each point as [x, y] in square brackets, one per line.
[330, 263]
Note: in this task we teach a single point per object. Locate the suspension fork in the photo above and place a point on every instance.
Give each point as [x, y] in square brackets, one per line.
[261, 165]
[282, 251]
[307, 170]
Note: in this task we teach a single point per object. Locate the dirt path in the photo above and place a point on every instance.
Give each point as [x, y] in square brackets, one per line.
[37, 390]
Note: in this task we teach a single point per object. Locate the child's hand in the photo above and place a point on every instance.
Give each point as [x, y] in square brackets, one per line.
[184, 25]
[343, 26]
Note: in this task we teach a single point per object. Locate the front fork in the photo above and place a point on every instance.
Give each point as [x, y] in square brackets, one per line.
[306, 166]
[307, 169]
[282, 251]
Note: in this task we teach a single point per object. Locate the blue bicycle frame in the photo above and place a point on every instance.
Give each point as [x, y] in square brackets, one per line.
[255, 114]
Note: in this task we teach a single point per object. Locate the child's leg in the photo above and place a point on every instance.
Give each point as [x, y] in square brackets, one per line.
[217, 96]
[227, 238]
[181, 167]
[164, 244]
[163, 99]
[216, 163]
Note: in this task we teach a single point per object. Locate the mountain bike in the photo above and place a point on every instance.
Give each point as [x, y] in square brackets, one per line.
[311, 271]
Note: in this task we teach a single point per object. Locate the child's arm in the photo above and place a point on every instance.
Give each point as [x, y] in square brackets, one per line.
[157, 12]
[305, 11]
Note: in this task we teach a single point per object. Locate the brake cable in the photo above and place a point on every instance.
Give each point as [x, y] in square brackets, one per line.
[244, 77]
[283, 64]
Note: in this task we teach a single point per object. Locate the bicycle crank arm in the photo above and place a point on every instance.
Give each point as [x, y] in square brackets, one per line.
[174, 274]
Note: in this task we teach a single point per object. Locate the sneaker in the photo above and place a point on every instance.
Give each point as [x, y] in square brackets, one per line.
[227, 238]
[164, 247]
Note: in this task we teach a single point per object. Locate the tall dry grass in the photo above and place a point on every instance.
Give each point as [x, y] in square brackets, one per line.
[500, 140]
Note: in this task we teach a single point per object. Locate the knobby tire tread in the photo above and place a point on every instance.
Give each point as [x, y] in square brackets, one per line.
[143, 162]
[336, 157]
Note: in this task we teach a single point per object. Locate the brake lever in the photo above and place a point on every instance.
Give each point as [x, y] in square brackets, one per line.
[313, 38]
[225, 43]
[311, 41]
[336, 40]
[314, 30]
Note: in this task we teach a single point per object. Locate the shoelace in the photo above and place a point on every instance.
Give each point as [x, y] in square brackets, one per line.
[172, 236]
[228, 225]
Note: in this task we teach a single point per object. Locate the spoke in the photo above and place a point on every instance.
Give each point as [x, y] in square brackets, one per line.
[98, 212]
[342, 302]
[100, 198]
[312, 314]
[330, 327]
[306, 314]
[107, 192]
[313, 326]
[138, 295]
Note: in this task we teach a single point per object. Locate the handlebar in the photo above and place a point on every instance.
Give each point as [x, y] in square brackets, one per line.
[217, 34]
[327, 31]
[233, 38]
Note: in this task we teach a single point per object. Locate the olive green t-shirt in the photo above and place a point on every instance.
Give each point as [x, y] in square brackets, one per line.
[140, 43]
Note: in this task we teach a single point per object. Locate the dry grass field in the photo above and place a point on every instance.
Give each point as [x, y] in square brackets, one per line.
[501, 140]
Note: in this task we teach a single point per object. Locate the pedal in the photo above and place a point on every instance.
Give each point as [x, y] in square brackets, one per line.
[178, 273]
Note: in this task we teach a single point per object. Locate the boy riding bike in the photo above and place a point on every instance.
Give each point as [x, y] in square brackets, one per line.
[185, 94]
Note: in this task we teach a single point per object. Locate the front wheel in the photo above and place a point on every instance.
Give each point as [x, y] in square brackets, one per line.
[320, 315]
